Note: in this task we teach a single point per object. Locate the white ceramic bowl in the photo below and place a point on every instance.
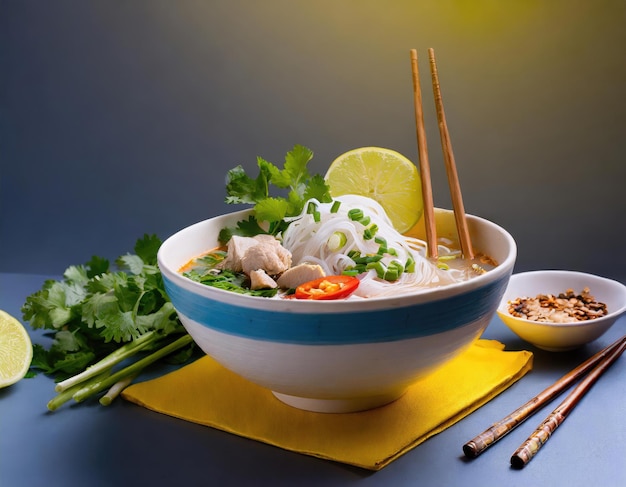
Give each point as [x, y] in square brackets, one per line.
[557, 337]
[335, 356]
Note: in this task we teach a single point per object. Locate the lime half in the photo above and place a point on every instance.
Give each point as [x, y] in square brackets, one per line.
[384, 175]
[16, 350]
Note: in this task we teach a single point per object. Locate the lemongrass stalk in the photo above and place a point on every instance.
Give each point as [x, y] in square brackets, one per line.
[122, 353]
[61, 398]
[116, 389]
[98, 386]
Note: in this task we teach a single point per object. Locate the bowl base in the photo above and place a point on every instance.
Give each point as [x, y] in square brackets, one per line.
[559, 349]
[351, 405]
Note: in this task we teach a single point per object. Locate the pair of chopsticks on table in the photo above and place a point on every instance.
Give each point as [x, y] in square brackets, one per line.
[448, 156]
[594, 366]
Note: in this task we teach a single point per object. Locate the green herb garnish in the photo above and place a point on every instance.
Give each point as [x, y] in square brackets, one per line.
[229, 281]
[270, 211]
[99, 317]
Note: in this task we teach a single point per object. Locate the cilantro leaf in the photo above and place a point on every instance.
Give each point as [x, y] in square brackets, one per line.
[119, 326]
[40, 359]
[164, 319]
[318, 189]
[68, 341]
[133, 263]
[294, 173]
[96, 266]
[98, 305]
[76, 275]
[52, 307]
[244, 228]
[147, 248]
[293, 177]
[243, 189]
[272, 209]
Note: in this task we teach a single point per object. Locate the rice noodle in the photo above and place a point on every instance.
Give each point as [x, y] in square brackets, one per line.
[308, 241]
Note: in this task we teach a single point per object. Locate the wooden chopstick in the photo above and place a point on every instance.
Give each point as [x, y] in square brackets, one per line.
[448, 156]
[527, 450]
[498, 430]
[422, 147]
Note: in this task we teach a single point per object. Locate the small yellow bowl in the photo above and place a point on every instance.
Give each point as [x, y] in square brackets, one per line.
[558, 337]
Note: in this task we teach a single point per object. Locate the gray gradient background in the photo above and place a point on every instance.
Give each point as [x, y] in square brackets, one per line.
[122, 118]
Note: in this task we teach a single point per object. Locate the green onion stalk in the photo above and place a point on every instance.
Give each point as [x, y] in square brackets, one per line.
[99, 377]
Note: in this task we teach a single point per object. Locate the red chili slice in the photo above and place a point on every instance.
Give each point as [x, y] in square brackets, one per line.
[329, 287]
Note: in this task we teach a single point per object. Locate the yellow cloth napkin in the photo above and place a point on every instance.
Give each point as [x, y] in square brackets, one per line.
[206, 393]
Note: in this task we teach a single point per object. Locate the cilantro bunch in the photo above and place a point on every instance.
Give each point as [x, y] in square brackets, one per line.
[293, 179]
[99, 317]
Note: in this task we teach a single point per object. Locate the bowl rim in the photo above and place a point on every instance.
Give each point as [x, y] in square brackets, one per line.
[501, 271]
[612, 315]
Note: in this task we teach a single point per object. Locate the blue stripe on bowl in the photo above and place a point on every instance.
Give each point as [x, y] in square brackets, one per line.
[355, 327]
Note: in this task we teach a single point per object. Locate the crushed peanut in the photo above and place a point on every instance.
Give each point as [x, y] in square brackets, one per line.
[566, 307]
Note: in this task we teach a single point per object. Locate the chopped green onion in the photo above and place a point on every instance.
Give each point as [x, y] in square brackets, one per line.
[378, 267]
[360, 268]
[316, 216]
[366, 259]
[351, 272]
[310, 209]
[395, 269]
[336, 241]
[335, 207]
[410, 265]
[355, 214]
[393, 252]
[365, 221]
[370, 231]
[391, 275]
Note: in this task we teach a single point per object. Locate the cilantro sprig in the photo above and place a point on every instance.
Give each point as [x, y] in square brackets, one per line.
[293, 179]
[99, 316]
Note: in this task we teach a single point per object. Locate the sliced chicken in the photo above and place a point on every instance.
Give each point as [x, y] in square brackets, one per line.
[260, 280]
[249, 254]
[300, 274]
[237, 247]
[268, 254]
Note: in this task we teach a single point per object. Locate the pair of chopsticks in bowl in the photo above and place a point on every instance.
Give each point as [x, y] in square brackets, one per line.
[448, 156]
[594, 367]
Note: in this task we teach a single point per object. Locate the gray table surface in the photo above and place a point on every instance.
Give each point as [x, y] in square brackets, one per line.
[124, 444]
